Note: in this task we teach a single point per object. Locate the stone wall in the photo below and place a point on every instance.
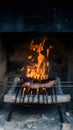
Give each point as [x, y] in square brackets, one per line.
[70, 65]
[2, 61]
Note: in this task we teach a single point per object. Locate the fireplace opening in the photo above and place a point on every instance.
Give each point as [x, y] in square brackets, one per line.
[36, 64]
[47, 54]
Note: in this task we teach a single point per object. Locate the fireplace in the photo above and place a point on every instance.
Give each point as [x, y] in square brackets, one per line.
[33, 60]
[36, 68]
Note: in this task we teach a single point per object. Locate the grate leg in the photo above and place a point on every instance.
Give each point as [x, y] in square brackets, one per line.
[11, 109]
[65, 124]
[59, 108]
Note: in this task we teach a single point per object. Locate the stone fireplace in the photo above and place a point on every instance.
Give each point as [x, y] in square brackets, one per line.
[38, 56]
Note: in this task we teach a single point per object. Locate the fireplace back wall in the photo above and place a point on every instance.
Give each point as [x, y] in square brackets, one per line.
[16, 45]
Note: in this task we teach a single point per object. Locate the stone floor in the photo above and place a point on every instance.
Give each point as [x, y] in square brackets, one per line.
[28, 118]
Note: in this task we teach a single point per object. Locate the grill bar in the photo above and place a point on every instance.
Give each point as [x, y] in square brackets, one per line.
[33, 96]
[46, 97]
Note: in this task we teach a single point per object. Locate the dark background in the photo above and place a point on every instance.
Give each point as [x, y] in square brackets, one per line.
[34, 15]
[10, 38]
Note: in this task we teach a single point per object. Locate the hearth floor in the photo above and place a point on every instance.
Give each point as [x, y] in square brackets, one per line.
[32, 119]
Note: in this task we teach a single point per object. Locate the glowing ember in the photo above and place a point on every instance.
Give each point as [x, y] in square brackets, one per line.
[30, 57]
[22, 69]
[24, 89]
[37, 90]
[19, 79]
[38, 70]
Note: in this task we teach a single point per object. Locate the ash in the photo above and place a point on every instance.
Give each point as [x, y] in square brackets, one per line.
[32, 118]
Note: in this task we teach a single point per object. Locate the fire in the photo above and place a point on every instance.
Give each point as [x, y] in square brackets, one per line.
[38, 70]
[30, 57]
[22, 69]
[24, 89]
[36, 91]
[19, 79]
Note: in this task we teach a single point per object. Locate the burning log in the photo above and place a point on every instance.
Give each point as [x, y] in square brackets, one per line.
[48, 84]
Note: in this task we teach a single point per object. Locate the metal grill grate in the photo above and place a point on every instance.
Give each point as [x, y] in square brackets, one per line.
[32, 96]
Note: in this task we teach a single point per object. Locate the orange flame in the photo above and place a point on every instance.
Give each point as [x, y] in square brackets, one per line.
[22, 69]
[18, 79]
[24, 89]
[38, 70]
[30, 57]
